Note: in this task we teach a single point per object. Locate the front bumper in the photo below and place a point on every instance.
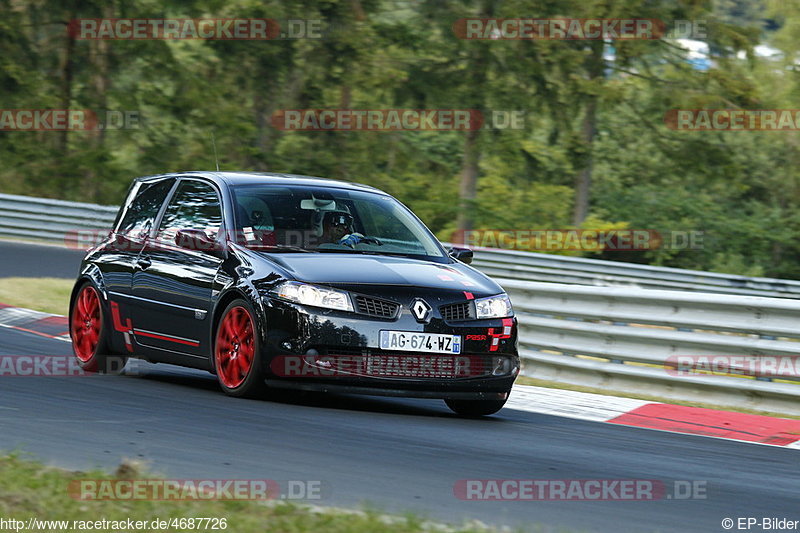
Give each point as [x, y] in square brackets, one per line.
[402, 389]
[313, 335]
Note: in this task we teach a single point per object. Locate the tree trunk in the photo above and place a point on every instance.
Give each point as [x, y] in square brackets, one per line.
[345, 101]
[101, 82]
[66, 82]
[583, 181]
[262, 137]
[469, 181]
[476, 97]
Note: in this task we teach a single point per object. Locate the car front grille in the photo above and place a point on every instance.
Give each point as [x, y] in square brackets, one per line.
[456, 312]
[375, 307]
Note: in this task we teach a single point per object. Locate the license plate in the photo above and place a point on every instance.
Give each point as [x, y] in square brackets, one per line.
[411, 341]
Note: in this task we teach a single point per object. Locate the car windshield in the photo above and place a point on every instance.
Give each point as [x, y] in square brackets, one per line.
[317, 219]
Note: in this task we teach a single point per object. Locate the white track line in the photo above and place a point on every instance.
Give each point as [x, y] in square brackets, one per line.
[570, 404]
[12, 316]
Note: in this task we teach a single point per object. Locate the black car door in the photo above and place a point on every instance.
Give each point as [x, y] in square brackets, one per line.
[172, 285]
[138, 216]
[118, 260]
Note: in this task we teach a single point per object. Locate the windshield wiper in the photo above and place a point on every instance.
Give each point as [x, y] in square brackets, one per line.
[363, 252]
[278, 248]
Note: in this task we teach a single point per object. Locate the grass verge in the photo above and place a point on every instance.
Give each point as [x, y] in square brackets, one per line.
[29, 489]
[50, 295]
[525, 380]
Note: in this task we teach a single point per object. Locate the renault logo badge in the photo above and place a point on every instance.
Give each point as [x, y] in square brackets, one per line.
[421, 310]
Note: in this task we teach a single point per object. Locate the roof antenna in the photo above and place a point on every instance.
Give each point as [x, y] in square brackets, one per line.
[214, 143]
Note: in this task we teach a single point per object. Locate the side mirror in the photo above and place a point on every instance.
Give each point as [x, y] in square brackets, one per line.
[462, 254]
[195, 239]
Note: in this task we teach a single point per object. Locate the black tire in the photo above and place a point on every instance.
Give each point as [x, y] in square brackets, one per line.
[100, 359]
[475, 407]
[232, 379]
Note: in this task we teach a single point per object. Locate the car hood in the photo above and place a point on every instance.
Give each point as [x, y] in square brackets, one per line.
[348, 269]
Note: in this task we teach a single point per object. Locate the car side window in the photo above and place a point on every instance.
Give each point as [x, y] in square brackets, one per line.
[195, 205]
[142, 212]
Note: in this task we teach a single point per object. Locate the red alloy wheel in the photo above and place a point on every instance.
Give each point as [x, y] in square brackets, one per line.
[87, 323]
[235, 347]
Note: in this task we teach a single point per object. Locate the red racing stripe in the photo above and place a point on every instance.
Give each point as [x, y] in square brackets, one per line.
[165, 338]
[714, 423]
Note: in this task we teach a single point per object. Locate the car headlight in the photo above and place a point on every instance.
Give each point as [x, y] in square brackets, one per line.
[313, 295]
[494, 307]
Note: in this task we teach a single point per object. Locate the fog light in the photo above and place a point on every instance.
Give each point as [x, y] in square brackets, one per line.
[501, 365]
[310, 358]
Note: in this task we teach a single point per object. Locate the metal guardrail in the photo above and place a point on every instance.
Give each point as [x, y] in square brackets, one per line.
[531, 266]
[630, 339]
[56, 221]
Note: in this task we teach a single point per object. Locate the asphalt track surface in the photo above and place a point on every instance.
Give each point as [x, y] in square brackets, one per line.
[36, 261]
[395, 454]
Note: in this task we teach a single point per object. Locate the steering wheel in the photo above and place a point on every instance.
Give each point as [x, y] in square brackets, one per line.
[355, 238]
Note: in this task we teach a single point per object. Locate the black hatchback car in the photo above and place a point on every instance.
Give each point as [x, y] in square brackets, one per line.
[274, 281]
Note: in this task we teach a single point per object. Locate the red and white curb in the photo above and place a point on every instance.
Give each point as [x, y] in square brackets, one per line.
[36, 322]
[661, 416]
[564, 403]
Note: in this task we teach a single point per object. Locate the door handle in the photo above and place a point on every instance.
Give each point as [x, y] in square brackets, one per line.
[144, 263]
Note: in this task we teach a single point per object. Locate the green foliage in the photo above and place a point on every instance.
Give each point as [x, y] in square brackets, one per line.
[741, 189]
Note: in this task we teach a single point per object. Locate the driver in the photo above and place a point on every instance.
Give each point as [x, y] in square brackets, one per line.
[337, 227]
